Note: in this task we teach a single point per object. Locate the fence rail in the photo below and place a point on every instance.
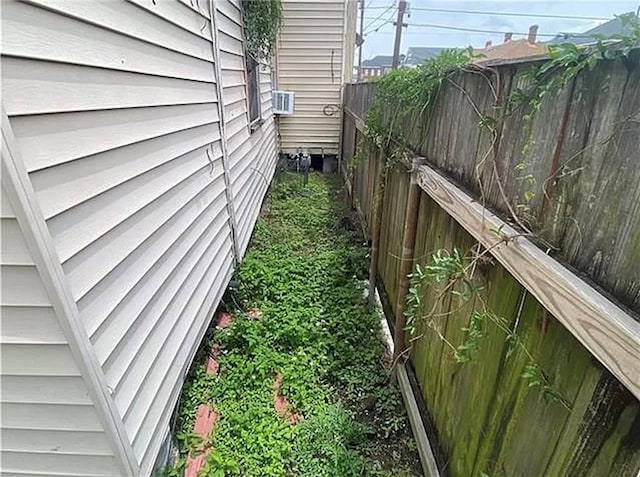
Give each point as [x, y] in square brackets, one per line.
[576, 299]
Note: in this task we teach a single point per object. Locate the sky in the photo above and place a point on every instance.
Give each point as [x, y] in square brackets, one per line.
[380, 15]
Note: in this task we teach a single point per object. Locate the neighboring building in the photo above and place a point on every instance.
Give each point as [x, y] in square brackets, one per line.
[381, 64]
[525, 49]
[375, 67]
[608, 29]
[314, 59]
[416, 55]
[138, 144]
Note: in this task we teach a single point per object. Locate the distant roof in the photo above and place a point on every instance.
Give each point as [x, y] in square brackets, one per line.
[511, 50]
[380, 61]
[416, 55]
[610, 28]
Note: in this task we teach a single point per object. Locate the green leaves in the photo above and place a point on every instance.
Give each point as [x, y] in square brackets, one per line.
[452, 272]
[444, 265]
[407, 92]
[262, 20]
[474, 332]
[304, 272]
[566, 61]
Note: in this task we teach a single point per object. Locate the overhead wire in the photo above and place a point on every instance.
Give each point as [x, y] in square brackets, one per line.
[508, 14]
[391, 6]
[497, 32]
[376, 30]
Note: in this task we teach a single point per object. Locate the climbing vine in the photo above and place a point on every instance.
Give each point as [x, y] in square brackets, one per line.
[407, 91]
[454, 272]
[566, 62]
[408, 96]
[262, 20]
[401, 94]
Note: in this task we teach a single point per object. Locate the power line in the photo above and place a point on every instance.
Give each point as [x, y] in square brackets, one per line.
[507, 14]
[380, 16]
[371, 32]
[477, 30]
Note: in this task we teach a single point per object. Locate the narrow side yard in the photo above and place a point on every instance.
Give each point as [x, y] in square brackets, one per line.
[300, 386]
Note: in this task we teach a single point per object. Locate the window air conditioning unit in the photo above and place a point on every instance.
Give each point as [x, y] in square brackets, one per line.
[283, 102]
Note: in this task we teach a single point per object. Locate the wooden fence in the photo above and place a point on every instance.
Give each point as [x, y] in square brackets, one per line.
[574, 298]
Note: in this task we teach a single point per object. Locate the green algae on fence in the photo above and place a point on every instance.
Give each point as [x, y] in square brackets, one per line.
[488, 420]
[304, 271]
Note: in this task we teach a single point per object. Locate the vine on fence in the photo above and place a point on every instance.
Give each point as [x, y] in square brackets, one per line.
[407, 93]
[454, 271]
[401, 93]
[566, 62]
[262, 20]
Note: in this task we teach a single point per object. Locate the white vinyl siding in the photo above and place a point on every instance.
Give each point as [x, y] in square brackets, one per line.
[315, 57]
[49, 423]
[116, 114]
[252, 155]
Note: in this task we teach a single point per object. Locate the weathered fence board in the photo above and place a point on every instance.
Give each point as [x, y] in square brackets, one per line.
[584, 157]
[605, 329]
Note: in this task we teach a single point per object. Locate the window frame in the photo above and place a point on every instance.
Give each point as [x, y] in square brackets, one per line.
[256, 122]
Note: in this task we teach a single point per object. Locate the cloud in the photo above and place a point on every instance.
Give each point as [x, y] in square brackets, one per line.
[497, 23]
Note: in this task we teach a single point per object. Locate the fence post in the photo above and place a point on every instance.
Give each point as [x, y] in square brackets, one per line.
[406, 258]
[378, 206]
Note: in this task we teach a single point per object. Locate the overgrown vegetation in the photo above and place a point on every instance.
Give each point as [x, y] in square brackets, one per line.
[262, 20]
[566, 62]
[304, 271]
[404, 92]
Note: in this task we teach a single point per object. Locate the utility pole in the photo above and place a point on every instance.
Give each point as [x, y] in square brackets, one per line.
[402, 5]
[361, 40]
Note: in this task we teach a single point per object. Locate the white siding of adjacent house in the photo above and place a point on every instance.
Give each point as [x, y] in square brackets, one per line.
[114, 107]
[314, 59]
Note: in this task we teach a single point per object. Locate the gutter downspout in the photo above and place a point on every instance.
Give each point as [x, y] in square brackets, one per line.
[217, 70]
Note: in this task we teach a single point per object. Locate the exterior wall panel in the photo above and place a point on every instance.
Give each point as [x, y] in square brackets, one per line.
[49, 423]
[315, 57]
[133, 142]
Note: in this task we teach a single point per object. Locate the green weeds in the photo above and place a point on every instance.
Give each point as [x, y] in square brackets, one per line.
[304, 272]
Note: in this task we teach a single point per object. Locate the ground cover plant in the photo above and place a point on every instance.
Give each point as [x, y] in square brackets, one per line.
[315, 342]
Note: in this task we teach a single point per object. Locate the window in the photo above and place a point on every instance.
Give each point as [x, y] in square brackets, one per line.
[253, 92]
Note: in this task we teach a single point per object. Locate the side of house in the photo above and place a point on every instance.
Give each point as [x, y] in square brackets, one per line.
[133, 173]
[314, 59]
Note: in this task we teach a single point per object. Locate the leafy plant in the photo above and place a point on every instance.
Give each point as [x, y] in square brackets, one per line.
[453, 272]
[475, 331]
[566, 62]
[262, 19]
[405, 92]
[304, 272]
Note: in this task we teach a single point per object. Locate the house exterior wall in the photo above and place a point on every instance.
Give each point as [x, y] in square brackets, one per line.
[314, 59]
[145, 182]
[49, 421]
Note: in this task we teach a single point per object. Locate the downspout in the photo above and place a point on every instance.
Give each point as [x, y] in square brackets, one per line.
[217, 70]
